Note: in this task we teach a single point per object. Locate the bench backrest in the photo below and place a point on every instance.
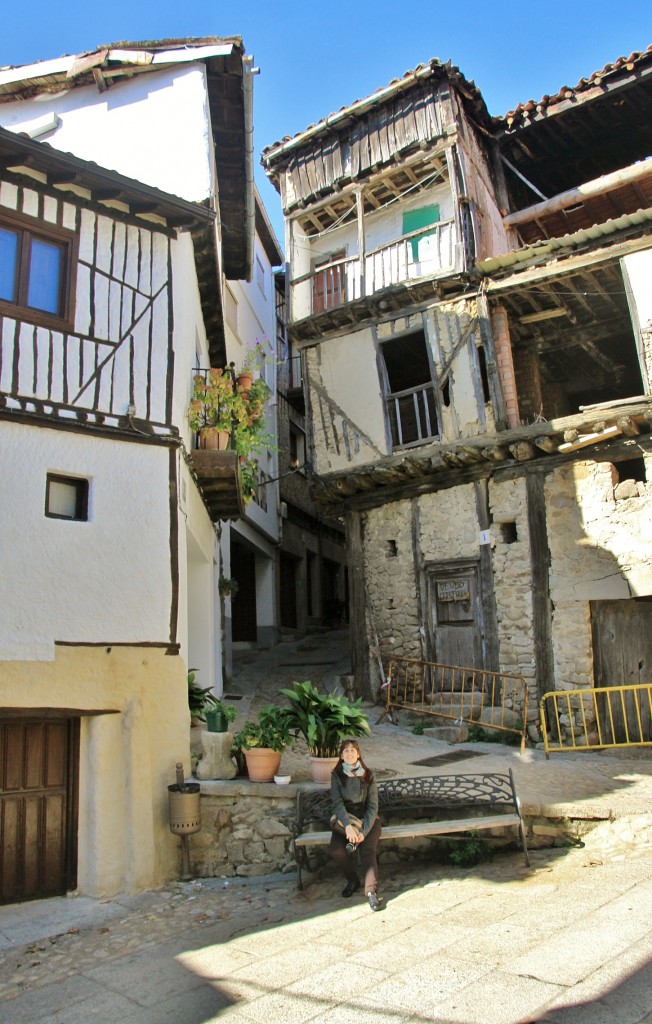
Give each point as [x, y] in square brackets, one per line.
[416, 795]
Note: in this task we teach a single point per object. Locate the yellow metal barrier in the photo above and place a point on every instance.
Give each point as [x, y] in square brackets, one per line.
[597, 719]
[459, 694]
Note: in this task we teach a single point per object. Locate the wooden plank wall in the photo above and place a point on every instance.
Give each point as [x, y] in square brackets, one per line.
[372, 140]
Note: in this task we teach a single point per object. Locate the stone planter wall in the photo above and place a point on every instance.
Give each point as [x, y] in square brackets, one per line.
[246, 830]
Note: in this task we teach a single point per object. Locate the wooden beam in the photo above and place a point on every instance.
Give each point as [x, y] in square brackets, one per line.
[595, 187]
[587, 439]
[523, 451]
[627, 425]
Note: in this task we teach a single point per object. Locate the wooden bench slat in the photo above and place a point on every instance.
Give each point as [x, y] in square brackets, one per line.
[422, 828]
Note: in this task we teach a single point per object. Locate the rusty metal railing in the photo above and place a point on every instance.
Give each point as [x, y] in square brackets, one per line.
[600, 718]
[459, 694]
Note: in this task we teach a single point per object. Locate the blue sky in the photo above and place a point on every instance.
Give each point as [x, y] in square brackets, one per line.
[314, 61]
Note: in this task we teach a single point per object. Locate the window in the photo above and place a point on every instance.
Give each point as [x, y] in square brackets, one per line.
[413, 220]
[36, 262]
[411, 403]
[66, 497]
[297, 449]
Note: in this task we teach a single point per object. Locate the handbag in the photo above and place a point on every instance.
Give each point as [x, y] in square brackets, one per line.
[337, 826]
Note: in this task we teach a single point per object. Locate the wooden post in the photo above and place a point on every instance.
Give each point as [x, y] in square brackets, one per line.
[540, 562]
[359, 202]
[490, 623]
[359, 640]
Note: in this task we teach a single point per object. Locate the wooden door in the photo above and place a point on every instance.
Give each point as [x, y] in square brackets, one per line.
[455, 615]
[622, 655]
[329, 283]
[38, 807]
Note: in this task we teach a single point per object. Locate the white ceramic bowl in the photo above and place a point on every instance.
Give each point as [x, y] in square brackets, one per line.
[282, 780]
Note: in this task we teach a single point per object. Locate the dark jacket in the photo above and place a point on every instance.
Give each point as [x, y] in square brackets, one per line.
[355, 795]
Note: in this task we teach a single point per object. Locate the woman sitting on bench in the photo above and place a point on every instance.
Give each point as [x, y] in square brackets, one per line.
[355, 822]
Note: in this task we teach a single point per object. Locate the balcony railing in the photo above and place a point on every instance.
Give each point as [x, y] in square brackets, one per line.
[413, 415]
[416, 255]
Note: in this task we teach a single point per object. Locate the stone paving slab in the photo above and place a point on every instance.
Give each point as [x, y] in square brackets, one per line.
[191, 955]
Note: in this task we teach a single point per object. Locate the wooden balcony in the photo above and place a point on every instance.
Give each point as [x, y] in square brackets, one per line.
[419, 255]
[218, 476]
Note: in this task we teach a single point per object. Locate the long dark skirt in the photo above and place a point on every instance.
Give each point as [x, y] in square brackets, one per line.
[364, 859]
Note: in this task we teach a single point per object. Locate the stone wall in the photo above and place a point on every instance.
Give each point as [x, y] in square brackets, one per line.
[391, 582]
[601, 550]
[246, 829]
[513, 585]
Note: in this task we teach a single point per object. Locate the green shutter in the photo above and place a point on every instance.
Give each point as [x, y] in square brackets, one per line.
[421, 218]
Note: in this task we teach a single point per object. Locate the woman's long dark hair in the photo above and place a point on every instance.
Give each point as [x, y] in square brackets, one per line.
[339, 767]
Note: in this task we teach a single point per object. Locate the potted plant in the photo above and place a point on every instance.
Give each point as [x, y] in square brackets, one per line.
[263, 742]
[216, 409]
[323, 720]
[220, 716]
[199, 699]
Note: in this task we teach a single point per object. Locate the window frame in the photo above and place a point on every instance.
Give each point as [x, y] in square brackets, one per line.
[82, 488]
[29, 228]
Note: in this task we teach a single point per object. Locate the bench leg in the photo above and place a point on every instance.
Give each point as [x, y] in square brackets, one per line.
[521, 829]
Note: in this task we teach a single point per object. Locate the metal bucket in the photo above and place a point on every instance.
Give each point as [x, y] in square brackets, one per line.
[185, 812]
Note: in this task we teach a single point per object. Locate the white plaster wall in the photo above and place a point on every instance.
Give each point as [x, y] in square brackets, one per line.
[638, 267]
[105, 580]
[154, 128]
[348, 419]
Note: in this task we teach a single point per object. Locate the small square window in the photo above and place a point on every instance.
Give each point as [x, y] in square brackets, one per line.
[66, 497]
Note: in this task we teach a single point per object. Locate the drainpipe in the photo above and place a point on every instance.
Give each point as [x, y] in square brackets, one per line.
[248, 73]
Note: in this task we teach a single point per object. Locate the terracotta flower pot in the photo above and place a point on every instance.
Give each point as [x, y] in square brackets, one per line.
[262, 763]
[321, 768]
[211, 437]
[244, 382]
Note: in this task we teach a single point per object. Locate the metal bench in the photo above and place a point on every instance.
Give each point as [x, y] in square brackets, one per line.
[439, 804]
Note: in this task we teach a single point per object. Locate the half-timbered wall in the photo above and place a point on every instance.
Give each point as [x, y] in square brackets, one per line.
[346, 390]
[118, 355]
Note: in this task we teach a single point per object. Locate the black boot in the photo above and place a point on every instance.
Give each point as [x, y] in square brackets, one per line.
[350, 888]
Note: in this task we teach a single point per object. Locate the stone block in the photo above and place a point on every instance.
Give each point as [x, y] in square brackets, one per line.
[500, 716]
[216, 761]
[270, 828]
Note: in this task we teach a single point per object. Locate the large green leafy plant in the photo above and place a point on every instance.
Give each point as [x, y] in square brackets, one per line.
[323, 719]
[271, 730]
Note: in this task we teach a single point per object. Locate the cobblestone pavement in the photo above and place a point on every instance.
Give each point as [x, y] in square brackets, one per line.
[567, 941]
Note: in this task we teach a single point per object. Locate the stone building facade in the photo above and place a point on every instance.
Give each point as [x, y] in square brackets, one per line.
[478, 375]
